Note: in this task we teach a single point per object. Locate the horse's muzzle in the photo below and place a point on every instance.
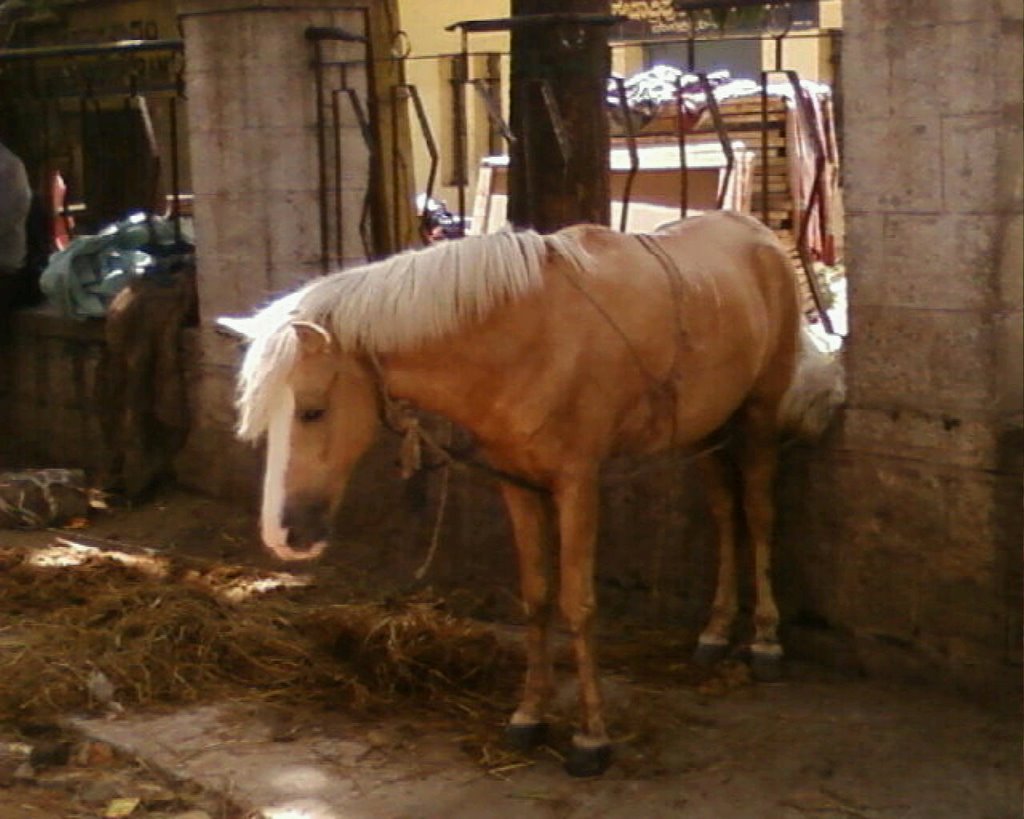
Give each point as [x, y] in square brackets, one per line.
[306, 522]
[304, 530]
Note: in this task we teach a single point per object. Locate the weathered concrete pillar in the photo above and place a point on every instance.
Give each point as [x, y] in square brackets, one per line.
[253, 143]
[910, 539]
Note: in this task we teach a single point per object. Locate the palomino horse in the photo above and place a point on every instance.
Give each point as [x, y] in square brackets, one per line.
[556, 352]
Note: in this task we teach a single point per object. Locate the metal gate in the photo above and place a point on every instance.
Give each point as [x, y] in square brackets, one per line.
[448, 137]
[100, 129]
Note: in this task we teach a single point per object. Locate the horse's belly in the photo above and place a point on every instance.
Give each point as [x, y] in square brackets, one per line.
[679, 414]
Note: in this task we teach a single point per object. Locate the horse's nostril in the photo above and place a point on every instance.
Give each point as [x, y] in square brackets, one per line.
[306, 523]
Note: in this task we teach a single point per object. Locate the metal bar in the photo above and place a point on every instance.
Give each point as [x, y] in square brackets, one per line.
[321, 154]
[396, 159]
[806, 113]
[718, 5]
[364, 129]
[361, 118]
[365, 227]
[691, 50]
[792, 35]
[493, 110]
[684, 177]
[634, 160]
[172, 115]
[92, 49]
[802, 107]
[723, 134]
[428, 139]
[764, 147]
[492, 87]
[529, 139]
[83, 137]
[557, 123]
[43, 187]
[532, 20]
[461, 137]
[339, 240]
[319, 33]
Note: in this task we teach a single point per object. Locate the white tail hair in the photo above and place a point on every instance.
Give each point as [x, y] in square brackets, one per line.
[817, 391]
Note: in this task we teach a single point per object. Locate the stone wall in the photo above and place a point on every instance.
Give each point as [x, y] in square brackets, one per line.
[911, 545]
[256, 185]
[50, 374]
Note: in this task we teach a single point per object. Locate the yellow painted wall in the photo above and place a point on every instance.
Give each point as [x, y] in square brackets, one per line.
[424, 22]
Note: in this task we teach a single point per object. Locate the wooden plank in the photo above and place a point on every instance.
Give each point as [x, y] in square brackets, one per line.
[775, 104]
[745, 124]
[482, 200]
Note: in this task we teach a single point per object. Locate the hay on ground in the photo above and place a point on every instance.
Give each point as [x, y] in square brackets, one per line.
[174, 639]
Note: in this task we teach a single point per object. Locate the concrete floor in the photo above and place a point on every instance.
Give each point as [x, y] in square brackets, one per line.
[817, 745]
[809, 747]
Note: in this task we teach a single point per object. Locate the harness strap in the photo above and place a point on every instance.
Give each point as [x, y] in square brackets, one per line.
[674, 280]
[399, 416]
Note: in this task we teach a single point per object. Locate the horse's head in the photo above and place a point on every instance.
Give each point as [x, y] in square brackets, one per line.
[320, 417]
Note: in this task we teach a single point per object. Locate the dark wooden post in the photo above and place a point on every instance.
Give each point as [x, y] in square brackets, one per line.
[558, 172]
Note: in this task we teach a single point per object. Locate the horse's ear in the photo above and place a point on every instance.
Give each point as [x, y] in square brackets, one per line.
[313, 339]
[241, 328]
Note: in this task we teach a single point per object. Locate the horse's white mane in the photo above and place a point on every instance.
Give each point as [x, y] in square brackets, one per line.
[393, 305]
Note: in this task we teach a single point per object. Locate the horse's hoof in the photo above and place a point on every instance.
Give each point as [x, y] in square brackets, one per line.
[526, 736]
[766, 667]
[709, 654]
[588, 761]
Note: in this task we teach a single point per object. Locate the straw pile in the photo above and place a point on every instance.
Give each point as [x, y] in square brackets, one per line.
[103, 634]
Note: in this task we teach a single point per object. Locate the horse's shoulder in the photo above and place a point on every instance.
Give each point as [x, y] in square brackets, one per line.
[588, 234]
[728, 224]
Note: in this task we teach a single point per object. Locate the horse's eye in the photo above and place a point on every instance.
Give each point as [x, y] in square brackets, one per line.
[308, 416]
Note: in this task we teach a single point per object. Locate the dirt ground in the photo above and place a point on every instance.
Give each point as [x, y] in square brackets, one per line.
[816, 745]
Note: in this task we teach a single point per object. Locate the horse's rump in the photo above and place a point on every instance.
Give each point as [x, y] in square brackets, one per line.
[679, 326]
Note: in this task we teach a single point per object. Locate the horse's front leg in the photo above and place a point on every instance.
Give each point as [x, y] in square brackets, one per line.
[577, 503]
[531, 527]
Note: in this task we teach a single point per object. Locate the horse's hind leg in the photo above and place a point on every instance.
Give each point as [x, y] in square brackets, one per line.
[714, 640]
[531, 526]
[758, 462]
[577, 503]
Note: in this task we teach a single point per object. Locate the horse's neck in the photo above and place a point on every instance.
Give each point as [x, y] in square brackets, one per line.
[436, 382]
[458, 377]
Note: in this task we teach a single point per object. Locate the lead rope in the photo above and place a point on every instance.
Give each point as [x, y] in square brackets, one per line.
[400, 417]
[659, 386]
[435, 535]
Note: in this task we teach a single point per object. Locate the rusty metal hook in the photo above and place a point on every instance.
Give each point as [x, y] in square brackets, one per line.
[401, 45]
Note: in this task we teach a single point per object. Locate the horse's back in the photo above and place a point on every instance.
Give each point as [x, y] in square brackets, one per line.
[735, 248]
[723, 256]
[708, 305]
[725, 220]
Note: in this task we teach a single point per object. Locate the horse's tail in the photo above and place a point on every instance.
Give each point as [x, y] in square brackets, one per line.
[817, 390]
